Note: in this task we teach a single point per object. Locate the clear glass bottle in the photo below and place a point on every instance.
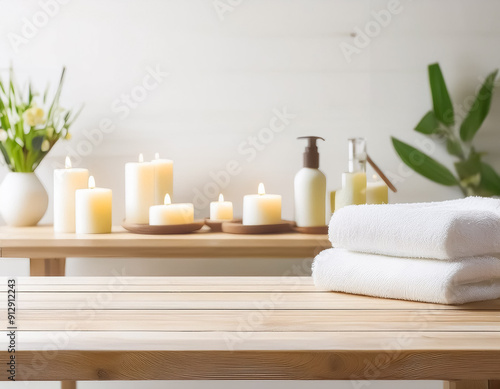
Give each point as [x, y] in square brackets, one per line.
[353, 190]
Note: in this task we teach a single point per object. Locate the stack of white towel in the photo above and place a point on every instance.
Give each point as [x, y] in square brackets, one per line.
[439, 252]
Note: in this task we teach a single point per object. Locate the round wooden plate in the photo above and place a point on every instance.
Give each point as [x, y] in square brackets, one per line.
[216, 225]
[239, 228]
[163, 230]
[321, 230]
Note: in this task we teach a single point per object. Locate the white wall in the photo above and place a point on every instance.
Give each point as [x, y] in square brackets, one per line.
[226, 76]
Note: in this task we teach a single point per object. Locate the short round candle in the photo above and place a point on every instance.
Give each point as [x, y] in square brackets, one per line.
[169, 214]
[66, 182]
[93, 209]
[262, 208]
[221, 210]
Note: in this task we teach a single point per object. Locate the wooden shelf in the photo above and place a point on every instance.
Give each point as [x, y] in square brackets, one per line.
[42, 242]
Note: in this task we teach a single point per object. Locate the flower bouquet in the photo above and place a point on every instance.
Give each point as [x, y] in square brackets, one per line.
[30, 125]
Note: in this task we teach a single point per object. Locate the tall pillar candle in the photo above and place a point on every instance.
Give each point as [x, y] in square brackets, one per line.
[139, 190]
[164, 178]
[66, 182]
[93, 209]
[261, 208]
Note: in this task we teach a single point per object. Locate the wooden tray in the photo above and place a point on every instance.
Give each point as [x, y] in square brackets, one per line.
[163, 230]
[239, 228]
[320, 230]
[216, 225]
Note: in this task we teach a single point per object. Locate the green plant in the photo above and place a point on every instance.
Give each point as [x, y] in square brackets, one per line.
[473, 175]
[29, 125]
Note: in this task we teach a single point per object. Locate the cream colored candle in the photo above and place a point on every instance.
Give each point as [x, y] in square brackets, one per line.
[377, 192]
[221, 210]
[164, 178]
[139, 190]
[168, 213]
[353, 190]
[261, 208]
[93, 208]
[66, 182]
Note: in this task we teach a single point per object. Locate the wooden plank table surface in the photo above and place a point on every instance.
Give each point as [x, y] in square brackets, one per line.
[176, 328]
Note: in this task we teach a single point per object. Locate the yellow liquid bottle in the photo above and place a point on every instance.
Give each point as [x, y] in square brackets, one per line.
[353, 190]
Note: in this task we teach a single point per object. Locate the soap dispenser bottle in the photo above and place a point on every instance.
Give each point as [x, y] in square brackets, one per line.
[353, 190]
[310, 188]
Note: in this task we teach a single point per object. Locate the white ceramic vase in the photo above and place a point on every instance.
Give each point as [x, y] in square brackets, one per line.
[23, 199]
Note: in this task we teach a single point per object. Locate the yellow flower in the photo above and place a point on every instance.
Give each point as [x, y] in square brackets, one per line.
[45, 146]
[50, 132]
[34, 116]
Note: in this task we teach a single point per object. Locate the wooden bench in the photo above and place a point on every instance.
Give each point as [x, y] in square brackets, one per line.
[262, 328]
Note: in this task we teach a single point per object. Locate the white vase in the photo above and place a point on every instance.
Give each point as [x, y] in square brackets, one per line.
[23, 199]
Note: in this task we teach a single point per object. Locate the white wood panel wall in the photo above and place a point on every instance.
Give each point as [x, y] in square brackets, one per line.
[227, 74]
[229, 66]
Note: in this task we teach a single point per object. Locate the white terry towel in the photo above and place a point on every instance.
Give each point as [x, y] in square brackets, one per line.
[427, 280]
[443, 230]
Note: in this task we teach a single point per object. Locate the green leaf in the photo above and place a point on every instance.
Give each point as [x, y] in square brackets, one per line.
[5, 155]
[55, 102]
[479, 109]
[490, 180]
[443, 108]
[46, 93]
[71, 120]
[37, 142]
[423, 164]
[428, 125]
[30, 94]
[454, 147]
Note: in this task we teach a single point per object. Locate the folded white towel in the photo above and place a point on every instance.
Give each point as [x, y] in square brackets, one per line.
[427, 280]
[443, 230]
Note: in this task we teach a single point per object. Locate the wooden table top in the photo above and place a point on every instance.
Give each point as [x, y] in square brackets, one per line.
[42, 242]
[126, 328]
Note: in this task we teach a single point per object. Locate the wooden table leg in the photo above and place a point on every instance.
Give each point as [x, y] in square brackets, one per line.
[47, 266]
[466, 384]
[40, 267]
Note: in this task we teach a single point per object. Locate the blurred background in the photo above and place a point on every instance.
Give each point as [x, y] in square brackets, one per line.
[218, 83]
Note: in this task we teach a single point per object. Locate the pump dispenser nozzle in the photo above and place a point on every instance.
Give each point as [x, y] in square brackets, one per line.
[311, 154]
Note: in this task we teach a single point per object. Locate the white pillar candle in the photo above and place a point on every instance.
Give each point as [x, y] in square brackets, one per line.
[164, 178]
[377, 192]
[139, 190]
[168, 213]
[261, 208]
[221, 210]
[93, 209]
[66, 182]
